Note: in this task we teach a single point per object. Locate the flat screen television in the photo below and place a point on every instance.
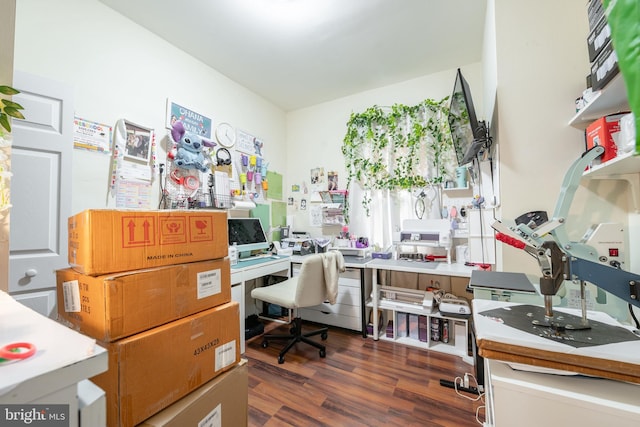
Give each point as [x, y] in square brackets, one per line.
[468, 134]
[248, 235]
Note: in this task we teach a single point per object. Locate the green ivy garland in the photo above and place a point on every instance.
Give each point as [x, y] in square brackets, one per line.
[390, 148]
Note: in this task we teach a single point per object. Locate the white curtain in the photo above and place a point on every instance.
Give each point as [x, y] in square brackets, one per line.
[387, 210]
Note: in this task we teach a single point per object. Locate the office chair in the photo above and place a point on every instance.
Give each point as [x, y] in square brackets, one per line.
[316, 283]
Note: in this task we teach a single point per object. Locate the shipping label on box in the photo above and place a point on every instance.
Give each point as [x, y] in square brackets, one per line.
[109, 241]
[113, 306]
[153, 369]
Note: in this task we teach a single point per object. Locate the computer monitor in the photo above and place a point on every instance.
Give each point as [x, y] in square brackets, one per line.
[248, 235]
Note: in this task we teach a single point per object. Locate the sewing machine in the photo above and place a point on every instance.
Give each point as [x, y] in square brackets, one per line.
[435, 233]
[596, 258]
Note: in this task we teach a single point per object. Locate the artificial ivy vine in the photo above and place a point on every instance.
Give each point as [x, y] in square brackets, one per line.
[398, 148]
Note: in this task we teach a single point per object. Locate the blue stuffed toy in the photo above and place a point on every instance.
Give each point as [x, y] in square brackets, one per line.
[189, 151]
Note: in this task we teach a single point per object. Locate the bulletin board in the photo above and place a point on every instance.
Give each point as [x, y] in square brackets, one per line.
[278, 217]
[275, 185]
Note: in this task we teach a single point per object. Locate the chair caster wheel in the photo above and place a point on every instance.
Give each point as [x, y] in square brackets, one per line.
[281, 359]
[323, 336]
[265, 344]
[323, 353]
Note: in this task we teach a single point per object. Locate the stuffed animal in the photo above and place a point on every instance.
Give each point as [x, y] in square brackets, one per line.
[188, 153]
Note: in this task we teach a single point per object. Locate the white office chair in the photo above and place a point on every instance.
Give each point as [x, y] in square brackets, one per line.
[316, 283]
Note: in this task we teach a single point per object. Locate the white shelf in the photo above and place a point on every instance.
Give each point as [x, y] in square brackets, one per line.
[610, 99]
[627, 163]
[625, 167]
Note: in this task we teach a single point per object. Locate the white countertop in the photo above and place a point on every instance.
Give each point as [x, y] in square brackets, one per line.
[433, 267]
[493, 329]
[63, 356]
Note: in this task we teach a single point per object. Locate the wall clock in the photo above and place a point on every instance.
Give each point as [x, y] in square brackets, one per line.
[226, 135]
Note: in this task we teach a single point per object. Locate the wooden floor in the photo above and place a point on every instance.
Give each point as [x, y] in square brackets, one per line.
[361, 382]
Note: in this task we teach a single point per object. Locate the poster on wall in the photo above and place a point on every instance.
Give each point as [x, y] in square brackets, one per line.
[318, 180]
[249, 144]
[333, 181]
[91, 136]
[192, 120]
[133, 165]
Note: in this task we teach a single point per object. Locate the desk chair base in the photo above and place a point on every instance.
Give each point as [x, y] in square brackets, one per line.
[297, 336]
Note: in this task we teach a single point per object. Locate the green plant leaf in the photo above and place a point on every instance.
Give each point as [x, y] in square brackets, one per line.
[9, 103]
[8, 90]
[13, 113]
[4, 121]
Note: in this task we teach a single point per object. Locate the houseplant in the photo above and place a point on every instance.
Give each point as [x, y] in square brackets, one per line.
[8, 109]
[398, 148]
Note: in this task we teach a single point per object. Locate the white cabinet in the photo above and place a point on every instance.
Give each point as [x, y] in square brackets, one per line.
[516, 398]
[347, 311]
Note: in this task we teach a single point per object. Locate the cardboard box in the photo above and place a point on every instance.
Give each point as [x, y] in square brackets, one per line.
[109, 241]
[118, 305]
[404, 279]
[222, 401]
[602, 132]
[154, 369]
[459, 287]
[604, 68]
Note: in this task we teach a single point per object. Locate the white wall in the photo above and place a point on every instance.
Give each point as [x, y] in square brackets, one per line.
[541, 62]
[315, 134]
[120, 70]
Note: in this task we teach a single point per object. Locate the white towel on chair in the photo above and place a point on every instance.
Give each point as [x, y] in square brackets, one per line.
[333, 265]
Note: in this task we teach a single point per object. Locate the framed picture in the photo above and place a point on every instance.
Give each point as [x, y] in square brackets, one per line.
[138, 145]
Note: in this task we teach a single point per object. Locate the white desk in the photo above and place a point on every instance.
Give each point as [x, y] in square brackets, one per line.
[62, 360]
[250, 270]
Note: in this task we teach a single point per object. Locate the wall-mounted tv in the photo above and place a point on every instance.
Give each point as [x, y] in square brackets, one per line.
[247, 234]
[469, 135]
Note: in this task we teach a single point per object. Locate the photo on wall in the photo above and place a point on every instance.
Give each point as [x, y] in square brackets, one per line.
[138, 143]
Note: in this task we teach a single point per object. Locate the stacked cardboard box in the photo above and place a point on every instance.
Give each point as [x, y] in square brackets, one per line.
[153, 287]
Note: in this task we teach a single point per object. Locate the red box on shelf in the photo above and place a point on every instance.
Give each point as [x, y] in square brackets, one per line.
[602, 132]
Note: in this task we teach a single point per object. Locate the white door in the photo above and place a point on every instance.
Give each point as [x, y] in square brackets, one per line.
[40, 190]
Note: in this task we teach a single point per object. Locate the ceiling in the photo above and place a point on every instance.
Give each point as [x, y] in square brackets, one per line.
[298, 53]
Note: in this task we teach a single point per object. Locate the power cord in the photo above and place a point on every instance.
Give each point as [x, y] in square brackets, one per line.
[163, 194]
[463, 384]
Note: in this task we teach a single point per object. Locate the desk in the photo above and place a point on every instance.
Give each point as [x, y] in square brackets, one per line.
[618, 361]
[254, 269]
[63, 359]
[354, 287]
[516, 397]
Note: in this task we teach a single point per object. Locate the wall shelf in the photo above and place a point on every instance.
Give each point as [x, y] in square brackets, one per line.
[610, 99]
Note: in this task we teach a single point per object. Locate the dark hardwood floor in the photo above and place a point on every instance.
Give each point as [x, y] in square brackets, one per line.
[361, 382]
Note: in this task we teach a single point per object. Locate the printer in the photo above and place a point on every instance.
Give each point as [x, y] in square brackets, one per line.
[301, 243]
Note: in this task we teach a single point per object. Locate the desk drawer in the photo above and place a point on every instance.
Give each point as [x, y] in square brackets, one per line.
[343, 309]
[339, 320]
